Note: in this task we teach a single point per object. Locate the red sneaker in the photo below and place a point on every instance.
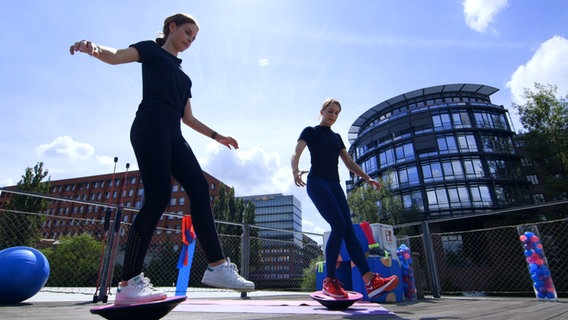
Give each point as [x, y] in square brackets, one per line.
[334, 288]
[379, 285]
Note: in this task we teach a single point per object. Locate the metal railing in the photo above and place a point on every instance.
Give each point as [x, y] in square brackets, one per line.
[276, 262]
[488, 261]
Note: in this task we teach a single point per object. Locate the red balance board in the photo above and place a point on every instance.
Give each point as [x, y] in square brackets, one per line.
[141, 311]
[336, 303]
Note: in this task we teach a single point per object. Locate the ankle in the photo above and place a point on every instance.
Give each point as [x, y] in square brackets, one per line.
[368, 277]
[217, 263]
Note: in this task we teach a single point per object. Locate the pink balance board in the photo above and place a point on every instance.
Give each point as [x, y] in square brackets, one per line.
[336, 303]
[141, 311]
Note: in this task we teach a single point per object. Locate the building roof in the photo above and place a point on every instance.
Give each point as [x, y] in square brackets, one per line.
[446, 88]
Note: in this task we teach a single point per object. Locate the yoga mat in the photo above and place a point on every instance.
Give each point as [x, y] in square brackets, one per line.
[277, 307]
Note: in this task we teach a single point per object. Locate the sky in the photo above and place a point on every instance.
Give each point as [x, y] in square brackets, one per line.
[260, 70]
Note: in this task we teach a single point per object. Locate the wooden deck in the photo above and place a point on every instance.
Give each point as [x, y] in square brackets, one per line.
[426, 309]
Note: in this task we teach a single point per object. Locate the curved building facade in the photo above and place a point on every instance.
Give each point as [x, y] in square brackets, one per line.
[444, 150]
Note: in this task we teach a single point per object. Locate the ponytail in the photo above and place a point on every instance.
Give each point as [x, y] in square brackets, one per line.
[178, 19]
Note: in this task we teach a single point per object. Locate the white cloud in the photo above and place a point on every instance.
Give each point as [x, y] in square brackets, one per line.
[479, 14]
[310, 226]
[64, 157]
[66, 147]
[252, 171]
[548, 65]
[263, 62]
[107, 161]
[7, 182]
[255, 171]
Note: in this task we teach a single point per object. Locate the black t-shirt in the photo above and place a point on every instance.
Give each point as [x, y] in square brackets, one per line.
[324, 146]
[163, 81]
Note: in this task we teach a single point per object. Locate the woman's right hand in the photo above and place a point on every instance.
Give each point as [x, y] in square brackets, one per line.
[298, 178]
[85, 46]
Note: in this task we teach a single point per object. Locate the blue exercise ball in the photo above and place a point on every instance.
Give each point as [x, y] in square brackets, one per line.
[23, 272]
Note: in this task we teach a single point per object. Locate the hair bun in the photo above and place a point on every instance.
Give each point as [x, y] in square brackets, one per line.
[160, 41]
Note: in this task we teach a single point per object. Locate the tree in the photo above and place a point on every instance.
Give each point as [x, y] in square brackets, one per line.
[545, 118]
[363, 202]
[254, 241]
[20, 223]
[230, 209]
[375, 206]
[227, 207]
[74, 261]
[309, 275]
[163, 271]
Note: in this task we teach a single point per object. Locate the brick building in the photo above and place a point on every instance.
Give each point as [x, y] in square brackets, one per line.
[90, 196]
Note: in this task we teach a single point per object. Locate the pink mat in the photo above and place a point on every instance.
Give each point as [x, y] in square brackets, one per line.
[276, 306]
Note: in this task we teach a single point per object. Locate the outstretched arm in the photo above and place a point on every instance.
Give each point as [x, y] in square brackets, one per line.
[356, 169]
[300, 146]
[105, 54]
[194, 123]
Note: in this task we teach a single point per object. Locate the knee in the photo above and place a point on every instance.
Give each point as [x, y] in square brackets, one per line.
[157, 201]
[339, 227]
[197, 189]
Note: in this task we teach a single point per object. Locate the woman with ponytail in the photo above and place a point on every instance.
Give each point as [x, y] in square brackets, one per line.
[161, 152]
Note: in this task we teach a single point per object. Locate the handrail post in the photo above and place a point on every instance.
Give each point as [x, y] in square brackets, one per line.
[245, 254]
[431, 260]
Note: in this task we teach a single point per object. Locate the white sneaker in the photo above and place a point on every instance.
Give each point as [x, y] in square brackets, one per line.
[226, 276]
[138, 290]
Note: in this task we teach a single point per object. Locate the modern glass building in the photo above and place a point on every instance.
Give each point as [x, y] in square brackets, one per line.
[444, 150]
[282, 253]
[278, 211]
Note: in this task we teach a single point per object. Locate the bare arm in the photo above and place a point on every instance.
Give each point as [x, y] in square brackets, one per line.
[105, 54]
[300, 146]
[356, 169]
[194, 123]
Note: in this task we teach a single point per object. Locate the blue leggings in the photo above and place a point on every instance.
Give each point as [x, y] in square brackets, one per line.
[329, 199]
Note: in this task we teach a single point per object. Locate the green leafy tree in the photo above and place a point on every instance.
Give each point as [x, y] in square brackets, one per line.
[163, 266]
[74, 261]
[229, 208]
[309, 275]
[374, 206]
[545, 119]
[248, 219]
[21, 222]
[381, 206]
[363, 202]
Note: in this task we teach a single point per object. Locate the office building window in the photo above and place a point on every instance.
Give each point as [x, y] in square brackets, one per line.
[438, 198]
[467, 143]
[386, 158]
[408, 176]
[480, 196]
[370, 165]
[452, 170]
[404, 152]
[432, 171]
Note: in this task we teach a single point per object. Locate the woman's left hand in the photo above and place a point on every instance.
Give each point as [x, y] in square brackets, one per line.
[376, 185]
[227, 141]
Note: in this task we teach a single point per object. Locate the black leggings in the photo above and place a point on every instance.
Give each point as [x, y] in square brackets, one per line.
[162, 152]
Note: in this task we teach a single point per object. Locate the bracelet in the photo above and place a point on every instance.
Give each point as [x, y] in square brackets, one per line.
[214, 135]
[96, 50]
